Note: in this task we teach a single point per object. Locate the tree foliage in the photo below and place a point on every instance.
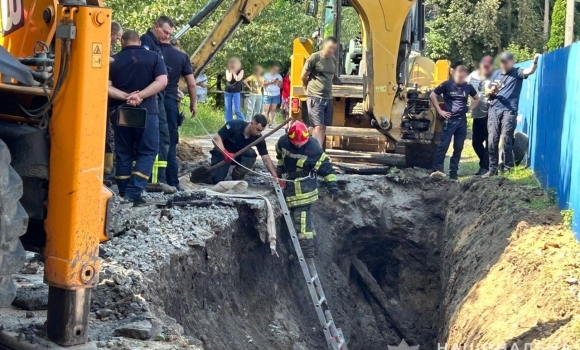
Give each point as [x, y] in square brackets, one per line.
[558, 23]
[268, 39]
[463, 31]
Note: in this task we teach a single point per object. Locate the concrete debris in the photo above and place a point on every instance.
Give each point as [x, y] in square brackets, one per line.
[135, 330]
[32, 297]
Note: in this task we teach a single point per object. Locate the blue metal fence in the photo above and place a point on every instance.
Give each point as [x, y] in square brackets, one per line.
[550, 115]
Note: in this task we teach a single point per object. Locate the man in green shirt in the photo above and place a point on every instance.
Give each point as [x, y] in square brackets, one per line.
[317, 76]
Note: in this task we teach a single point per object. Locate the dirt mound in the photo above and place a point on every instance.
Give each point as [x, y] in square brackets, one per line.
[510, 274]
[186, 152]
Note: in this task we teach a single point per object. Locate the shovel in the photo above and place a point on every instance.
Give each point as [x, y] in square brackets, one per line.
[203, 173]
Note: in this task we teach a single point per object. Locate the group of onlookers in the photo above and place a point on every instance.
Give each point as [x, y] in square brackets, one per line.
[266, 91]
[494, 109]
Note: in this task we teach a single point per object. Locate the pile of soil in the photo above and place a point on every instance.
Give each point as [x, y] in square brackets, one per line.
[186, 152]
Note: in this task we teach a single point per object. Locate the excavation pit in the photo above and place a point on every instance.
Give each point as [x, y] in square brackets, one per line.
[401, 256]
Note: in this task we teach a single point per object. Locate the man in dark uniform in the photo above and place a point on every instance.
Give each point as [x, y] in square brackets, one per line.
[151, 40]
[504, 94]
[231, 138]
[455, 94]
[116, 33]
[301, 158]
[135, 77]
[178, 65]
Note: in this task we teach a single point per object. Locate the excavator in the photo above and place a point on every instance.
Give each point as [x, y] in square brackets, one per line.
[54, 63]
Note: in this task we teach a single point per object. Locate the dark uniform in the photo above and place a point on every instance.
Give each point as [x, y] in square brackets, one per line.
[232, 135]
[134, 69]
[178, 65]
[303, 164]
[149, 42]
[502, 117]
[455, 99]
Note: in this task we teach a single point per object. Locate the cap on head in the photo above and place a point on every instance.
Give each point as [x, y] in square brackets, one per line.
[506, 56]
[298, 133]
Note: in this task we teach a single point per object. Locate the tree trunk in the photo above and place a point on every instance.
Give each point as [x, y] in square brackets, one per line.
[546, 23]
[569, 28]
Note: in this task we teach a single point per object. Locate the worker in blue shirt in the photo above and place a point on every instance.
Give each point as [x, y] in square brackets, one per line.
[455, 93]
[151, 40]
[504, 95]
[135, 77]
[232, 138]
[178, 65]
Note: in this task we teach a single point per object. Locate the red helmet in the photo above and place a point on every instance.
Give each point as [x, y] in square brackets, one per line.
[298, 134]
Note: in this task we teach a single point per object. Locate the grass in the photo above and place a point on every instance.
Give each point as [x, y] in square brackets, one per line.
[211, 117]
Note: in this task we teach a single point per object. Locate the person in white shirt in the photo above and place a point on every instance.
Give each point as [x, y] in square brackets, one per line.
[201, 83]
[272, 85]
[479, 79]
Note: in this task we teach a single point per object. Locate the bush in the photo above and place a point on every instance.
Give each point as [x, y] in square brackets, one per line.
[556, 40]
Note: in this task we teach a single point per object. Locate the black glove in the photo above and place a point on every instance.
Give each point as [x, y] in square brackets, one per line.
[333, 193]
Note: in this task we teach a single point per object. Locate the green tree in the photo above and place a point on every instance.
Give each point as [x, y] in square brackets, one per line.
[266, 40]
[557, 28]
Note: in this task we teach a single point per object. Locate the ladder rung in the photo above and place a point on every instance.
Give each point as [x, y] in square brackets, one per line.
[329, 323]
[322, 300]
[313, 278]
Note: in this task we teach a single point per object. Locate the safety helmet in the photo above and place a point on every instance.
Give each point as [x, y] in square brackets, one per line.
[298, 134]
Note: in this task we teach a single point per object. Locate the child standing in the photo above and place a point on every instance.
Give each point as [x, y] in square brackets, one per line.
[234, 76]
[455, 93]
[254, 83]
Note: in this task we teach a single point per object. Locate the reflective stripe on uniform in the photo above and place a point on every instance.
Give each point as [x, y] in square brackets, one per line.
[300, 163]
[281, 155]
[302, 199]
[287, 153]
[140, 174]
[123, 177]
[304, 233]
[320, 160]
[330, 178]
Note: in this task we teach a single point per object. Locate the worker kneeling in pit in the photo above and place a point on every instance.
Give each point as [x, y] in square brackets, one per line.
[232, 138]
[301, 158]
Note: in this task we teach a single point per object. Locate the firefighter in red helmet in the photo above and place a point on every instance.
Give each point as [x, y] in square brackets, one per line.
[301, 158]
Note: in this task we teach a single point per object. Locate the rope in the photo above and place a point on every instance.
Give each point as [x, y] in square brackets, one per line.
[268, 176]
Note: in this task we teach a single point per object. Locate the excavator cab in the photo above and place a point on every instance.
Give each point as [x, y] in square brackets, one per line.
[381, 110]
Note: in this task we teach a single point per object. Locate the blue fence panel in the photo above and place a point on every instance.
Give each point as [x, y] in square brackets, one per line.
[549, 113]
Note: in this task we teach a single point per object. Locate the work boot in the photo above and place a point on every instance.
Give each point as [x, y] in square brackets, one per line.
[480, 172]
[489, 174]
[137, 201]
[161, 187]
[453, 175]
[437, 174]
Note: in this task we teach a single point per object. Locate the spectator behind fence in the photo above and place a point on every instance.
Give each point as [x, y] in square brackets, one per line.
[234, 77]
[201, 83]
[254, 83]
[504, 95]
[272, 85]
[479, 79]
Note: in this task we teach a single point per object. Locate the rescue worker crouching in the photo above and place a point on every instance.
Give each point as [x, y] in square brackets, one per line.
[233, 137]
[301, 158]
